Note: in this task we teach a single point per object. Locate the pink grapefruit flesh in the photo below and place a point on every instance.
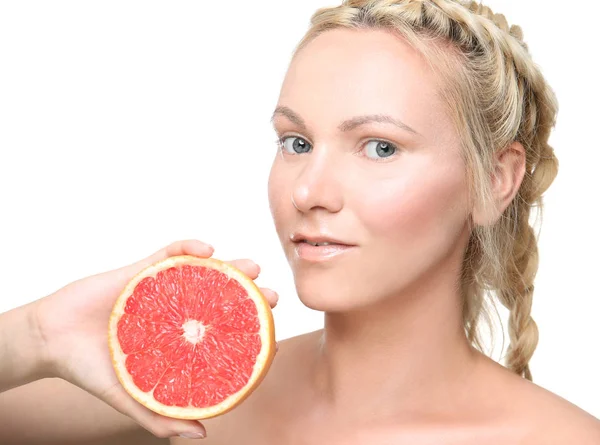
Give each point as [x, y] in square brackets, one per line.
[191, 337]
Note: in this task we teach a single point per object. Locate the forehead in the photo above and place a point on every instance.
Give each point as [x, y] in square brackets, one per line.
[343, 73]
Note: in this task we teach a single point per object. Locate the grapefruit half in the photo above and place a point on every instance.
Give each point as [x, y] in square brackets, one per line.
[191, 338]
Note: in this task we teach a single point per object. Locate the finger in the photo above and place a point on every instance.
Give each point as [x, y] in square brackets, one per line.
[184, 247]
[158, 425]
[271, 296]
[249, 267]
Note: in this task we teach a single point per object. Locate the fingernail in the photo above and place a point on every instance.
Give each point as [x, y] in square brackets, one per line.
[194, 435]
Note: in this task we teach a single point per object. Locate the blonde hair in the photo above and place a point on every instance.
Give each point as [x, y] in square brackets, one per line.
[496, 95]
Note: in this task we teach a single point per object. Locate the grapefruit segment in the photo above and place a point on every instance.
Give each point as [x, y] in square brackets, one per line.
[145, 368]
[138, 334]
[191, 337]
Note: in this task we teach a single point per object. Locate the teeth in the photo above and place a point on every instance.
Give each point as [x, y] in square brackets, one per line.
[318, 244]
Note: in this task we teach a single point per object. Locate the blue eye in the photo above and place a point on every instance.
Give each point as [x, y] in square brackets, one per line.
[380, 149]
[294, 145]
[375, 149]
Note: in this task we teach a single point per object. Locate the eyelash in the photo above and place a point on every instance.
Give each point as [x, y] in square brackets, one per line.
[279, 142]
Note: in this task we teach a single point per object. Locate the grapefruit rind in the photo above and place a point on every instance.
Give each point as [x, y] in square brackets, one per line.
[262, 363]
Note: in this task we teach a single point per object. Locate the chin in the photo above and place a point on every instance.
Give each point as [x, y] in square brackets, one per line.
[325, 298]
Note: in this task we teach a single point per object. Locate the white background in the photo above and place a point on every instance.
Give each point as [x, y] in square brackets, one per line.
[126, 125]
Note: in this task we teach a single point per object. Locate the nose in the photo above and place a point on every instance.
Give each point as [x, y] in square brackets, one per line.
[317, 184]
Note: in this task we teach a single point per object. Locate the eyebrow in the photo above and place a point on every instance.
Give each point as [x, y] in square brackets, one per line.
[347, 125]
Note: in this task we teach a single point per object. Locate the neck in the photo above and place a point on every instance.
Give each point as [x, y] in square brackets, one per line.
[406, 356]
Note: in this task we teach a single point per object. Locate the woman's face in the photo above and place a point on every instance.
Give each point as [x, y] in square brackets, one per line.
[369, 158]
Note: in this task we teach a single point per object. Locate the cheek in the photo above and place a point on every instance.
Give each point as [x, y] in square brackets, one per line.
[278, 191]
[428, 204]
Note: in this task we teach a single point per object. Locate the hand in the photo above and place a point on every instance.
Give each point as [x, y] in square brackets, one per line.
[73, 324]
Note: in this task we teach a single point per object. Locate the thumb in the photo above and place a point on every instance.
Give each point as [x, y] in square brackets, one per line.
[156, 424]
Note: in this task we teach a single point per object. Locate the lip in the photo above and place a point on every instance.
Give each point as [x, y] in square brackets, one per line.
[298, 237]
[318, 254]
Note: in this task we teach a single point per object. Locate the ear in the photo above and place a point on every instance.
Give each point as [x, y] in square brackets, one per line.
[505, 182]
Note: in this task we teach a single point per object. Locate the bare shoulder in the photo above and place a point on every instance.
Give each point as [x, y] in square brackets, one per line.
[544, 417]
[265, 408]
[559, 420]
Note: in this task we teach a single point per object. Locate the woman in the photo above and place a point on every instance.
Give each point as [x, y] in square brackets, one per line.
[414, 172]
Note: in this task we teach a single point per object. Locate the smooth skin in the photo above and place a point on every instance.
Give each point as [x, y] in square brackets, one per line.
[392, 364]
